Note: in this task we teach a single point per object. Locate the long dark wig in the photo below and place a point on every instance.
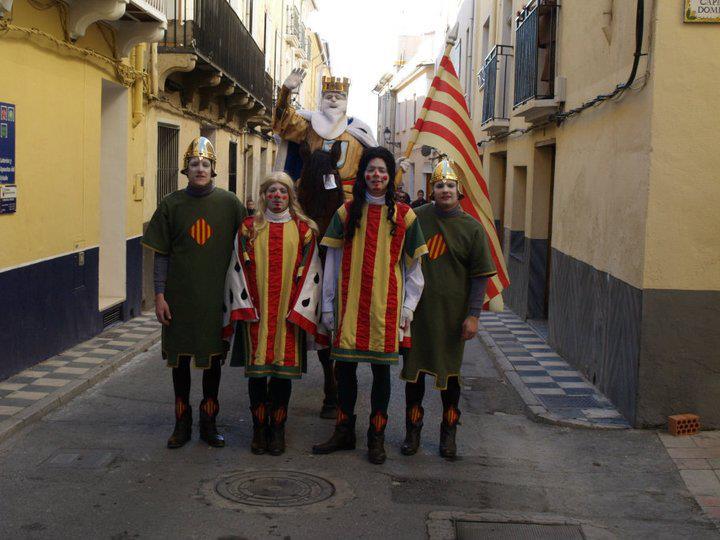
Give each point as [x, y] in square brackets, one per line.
[360, 189]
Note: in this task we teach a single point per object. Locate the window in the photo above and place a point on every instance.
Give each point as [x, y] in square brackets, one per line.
[167, 160]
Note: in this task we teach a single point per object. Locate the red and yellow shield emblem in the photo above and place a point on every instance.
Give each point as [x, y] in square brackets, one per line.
[201, 231]
[436, 246]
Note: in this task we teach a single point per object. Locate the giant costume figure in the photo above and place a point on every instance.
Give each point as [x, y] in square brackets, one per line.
[320, 129]
[192, 234]
[321, 150]
[455, 271]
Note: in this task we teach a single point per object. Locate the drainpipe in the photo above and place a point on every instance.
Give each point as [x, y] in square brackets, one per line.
[153, 69]
[137, 90]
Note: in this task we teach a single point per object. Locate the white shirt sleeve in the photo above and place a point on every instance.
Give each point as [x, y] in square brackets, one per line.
[333, 258]
[414, 284]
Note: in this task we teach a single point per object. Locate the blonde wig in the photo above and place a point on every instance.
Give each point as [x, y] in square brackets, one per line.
[294, 206]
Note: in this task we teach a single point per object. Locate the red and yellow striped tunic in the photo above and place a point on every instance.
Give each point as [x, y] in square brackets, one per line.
[276, 257]
[370, 290]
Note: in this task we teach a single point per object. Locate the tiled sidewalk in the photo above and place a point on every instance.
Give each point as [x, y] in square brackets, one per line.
[36, 391]
[553, 390]
[698, 459]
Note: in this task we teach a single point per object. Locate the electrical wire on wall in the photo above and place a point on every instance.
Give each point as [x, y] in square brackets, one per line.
[125, 73]
[559, 118]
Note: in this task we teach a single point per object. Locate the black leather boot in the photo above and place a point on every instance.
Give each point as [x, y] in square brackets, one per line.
[276, 439]
[330, 402]
[260, 428]
[376, 438]
[183, 425]
[413, 427]
[209, 408]
[448, 429]
[343, 438]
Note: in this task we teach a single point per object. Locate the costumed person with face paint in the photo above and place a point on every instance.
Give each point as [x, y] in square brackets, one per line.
[192, 234]
[456, 272]
[273, 288]
[372, 284]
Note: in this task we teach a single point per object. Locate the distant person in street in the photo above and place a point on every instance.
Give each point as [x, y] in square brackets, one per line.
[456, 273]
[250, 206]
[420, 199]
[402, 196]
[273, 289]
[372, 283]
[192, 234]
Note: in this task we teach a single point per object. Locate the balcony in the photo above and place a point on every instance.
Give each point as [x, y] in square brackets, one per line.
[494, 76]
[134, 21]
[293, 35]
[207, 40]
[538, 90]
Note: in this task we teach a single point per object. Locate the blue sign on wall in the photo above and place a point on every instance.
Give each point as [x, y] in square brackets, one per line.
[8, 189]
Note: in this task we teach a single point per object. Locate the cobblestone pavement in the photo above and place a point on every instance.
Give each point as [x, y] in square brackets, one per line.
[553, 390]
[36, 391]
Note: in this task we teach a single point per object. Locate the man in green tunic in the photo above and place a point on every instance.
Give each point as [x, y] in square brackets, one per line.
[456, 271]
[192, 234]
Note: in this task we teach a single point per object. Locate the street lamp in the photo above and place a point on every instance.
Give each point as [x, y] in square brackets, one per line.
[388, 140]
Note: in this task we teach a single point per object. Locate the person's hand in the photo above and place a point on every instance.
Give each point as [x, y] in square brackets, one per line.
[327, 319]
[162, 310]
[469, 327]
[404, 164]
[405, 319]
[295, 79]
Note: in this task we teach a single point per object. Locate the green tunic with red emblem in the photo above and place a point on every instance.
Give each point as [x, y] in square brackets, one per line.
[197, 234]
[457, 251]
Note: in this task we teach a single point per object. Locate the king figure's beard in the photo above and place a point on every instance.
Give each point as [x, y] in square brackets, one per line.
[334, 116]
[329, 123]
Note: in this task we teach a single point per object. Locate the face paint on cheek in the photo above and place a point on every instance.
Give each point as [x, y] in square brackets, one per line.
[368, 177]
[384, 177]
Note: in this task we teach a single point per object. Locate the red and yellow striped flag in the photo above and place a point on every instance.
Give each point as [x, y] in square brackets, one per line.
[444, 123]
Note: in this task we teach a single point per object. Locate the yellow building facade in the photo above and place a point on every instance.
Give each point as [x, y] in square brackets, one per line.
[608, 214]
[71, 259]
[105, 98]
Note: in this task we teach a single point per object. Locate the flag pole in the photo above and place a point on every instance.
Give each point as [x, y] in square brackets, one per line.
[449, 43]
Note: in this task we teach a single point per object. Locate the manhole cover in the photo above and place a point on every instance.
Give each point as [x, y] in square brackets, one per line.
[470, 530]
[279, 489]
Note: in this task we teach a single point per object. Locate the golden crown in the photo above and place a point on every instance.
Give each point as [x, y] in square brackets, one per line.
[335, 84]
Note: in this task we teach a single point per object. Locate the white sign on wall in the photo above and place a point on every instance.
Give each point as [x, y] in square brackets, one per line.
[702, 11]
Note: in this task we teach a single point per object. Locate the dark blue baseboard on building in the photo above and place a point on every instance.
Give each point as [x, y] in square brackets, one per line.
[47, 307]
[133, 289]
[52, 305]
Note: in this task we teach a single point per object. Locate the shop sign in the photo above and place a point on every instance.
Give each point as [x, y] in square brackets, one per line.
[702, 11]
[8, 191]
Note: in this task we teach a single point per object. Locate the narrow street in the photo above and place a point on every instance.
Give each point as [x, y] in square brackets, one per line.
[98, 467]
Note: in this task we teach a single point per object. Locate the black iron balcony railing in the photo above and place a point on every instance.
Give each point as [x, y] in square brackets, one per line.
[212, 30]
[494, 74]
[293, 22]
[535, 49]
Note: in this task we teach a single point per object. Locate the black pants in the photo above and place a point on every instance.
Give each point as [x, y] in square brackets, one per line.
[415, 392]
[346, 373]
[273, 390]
[210, 380]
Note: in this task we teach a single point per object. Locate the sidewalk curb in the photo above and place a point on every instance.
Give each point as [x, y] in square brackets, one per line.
[440, 524]
[536, 410]
[38, 410]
